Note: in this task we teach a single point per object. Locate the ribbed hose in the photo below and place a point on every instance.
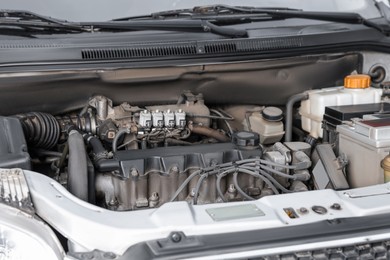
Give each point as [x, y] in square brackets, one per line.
[85, 123]
[41, 130]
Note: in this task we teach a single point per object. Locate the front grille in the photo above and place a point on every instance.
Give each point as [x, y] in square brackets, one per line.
[376, 250]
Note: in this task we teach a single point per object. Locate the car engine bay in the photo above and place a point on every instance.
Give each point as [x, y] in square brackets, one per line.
[123, 156]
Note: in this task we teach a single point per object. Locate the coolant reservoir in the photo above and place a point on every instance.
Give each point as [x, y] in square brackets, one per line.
[356, 91]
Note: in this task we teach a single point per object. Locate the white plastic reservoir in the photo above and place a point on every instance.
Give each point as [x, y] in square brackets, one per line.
[356, 91]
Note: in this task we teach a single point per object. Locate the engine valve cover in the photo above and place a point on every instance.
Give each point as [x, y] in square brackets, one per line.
[149, 178]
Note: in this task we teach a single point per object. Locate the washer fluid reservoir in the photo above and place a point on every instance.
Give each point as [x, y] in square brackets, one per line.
[268, 124]
[356, 91]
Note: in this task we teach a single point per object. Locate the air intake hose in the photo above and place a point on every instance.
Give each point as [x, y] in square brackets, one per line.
[41, 130]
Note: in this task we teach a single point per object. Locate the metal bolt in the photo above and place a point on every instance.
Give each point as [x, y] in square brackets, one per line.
[336, 206]
[112, 202]
[154, 200]
[231, 188]
[134, 172]
[154, 196]
[176, 237]
[175, 169]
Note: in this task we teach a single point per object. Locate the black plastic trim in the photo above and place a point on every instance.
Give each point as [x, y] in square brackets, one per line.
[192, 49]
[116, 52]
[125, 64]
[197, 246]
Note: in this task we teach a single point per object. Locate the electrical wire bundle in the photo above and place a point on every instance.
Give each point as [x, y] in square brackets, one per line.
[255, 167]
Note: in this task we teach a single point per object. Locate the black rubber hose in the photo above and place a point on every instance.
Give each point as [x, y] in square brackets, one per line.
[100, 154]
[107, 165]
[77, 166]
[95, 144]
[289, 114]
[116, 139]
[41, 130]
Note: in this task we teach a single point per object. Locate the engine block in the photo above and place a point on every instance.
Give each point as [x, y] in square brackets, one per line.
[150, 178]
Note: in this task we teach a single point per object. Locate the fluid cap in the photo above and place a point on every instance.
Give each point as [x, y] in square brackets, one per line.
[358, 81]
[246, 139]
[272, 114]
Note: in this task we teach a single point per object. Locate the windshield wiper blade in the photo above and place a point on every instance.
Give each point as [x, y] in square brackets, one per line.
[35, 22]
[338, 17]
[212, 12]
[204, 11]
[197, 25]
[30, 20]
[39, 26]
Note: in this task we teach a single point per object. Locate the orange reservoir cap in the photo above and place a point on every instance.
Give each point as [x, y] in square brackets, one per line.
[357, 81]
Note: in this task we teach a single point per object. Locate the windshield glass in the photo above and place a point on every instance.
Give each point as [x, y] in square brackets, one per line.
[102, 10]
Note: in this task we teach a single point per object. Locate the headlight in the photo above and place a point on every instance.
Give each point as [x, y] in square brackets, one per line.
[22, 235]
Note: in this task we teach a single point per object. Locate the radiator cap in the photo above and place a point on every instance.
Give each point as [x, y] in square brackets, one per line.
[358, 81]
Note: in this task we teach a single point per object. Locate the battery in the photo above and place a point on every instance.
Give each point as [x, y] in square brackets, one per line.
[336, 115]
[365, 144]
